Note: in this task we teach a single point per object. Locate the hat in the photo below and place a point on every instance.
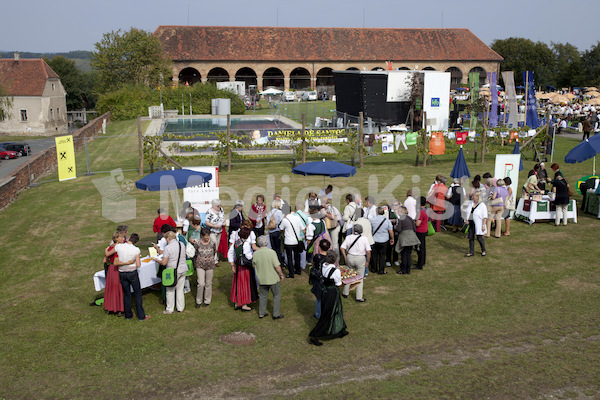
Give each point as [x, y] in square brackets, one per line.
[239, 203]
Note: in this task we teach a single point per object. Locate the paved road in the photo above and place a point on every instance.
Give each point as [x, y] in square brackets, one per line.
[7, 167]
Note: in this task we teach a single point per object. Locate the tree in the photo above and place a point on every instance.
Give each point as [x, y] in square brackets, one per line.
[150, 149]
[133, 57]
[5, 101]
[77, 84]
[524, 55]
[569, 68]
[590, 60]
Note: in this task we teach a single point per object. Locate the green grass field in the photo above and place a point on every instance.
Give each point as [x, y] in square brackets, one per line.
[522, 322]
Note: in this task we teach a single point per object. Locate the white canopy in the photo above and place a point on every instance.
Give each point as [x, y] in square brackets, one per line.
[271, 91]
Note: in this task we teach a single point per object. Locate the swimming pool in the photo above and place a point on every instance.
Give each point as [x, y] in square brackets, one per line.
[193, 126]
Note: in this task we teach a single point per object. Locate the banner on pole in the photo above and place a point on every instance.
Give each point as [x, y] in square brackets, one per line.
[511, 94]
[474, 88]
[531, 119]
[507, 165]
[65, 154]
[201, 196]
[494, 91]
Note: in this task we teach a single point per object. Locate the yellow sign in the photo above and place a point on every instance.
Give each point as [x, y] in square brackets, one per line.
[65, 152]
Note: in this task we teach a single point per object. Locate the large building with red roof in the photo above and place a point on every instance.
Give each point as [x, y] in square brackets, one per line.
[38, 98]
[304, 58]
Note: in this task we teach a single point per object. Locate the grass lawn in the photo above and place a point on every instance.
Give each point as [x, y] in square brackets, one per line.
[522, 322]
[295, 109]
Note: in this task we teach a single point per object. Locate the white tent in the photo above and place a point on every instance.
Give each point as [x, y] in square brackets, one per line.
[271, 92]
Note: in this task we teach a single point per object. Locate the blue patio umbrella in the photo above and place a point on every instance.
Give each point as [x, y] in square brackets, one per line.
[517, 150]
[332, 169]
[172, 179]
[460, 168]
[584, 151]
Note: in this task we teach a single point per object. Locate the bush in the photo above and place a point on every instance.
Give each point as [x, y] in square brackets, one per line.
[131, 101]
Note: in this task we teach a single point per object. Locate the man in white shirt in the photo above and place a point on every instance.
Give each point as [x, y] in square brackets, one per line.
[411, 205]
[293, 234]
[357, 253]
[370, 209]
[349, 215]
[128, 262]
[477, 215]
[327, 192]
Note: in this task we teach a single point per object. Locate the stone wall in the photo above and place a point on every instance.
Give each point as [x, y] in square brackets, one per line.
[44, 163]
[232, 67]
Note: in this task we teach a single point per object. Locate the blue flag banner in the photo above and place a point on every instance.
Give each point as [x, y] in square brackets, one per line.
[494, 91]
[531, 116]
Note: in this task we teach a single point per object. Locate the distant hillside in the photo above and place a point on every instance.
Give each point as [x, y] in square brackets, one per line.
[81, 58]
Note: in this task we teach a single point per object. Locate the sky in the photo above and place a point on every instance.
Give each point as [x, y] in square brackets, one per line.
[64, 25]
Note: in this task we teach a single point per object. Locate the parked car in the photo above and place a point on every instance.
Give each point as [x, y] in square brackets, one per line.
[22, 148]
[6, 154]
[288, 96]
[309, 96]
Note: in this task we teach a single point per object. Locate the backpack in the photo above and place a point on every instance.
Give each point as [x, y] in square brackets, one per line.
[316, 271]
[238, 252]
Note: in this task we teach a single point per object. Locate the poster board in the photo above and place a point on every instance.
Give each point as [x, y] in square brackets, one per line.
[201, 196]
[436, 100]
[387, 143]
[399, 85]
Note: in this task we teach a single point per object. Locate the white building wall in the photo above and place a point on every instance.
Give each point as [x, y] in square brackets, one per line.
[38, 113]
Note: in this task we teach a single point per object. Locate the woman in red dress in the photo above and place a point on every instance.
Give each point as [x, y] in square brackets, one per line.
[258, 212]
[113, 291]
[243, 289]
[437, 199]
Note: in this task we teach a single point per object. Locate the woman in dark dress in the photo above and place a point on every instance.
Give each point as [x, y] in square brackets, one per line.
[318, 260]
[561, 198]
[331, 324]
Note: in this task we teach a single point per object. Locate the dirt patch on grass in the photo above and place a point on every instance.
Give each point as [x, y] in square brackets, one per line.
[308, 378]
[238, 338]
[576, 284]
[383, 290]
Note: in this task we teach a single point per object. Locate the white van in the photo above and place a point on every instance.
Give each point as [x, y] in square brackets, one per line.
[288, 96]
[309, 96]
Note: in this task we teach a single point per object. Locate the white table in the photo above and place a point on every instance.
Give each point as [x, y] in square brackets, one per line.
[147, 273]
[541, 210]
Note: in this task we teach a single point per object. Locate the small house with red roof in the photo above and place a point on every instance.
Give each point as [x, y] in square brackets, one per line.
[38, 98]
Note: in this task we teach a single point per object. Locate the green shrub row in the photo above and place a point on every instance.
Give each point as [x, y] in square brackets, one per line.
[131, 101]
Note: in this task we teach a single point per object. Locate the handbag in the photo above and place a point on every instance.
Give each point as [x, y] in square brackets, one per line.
[510, 203]
[430, 229]
[190, 250]
[495, 202]
[272, 223]
[169, 275]
[331, 223]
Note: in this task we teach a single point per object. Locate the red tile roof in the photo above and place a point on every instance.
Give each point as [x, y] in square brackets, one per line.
[26, 77]
[224, 43]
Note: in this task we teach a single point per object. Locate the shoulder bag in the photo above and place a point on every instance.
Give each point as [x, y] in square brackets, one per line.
[169, 275]
[190, 250]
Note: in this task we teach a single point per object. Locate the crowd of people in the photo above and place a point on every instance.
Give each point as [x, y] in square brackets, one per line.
[316, 236]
